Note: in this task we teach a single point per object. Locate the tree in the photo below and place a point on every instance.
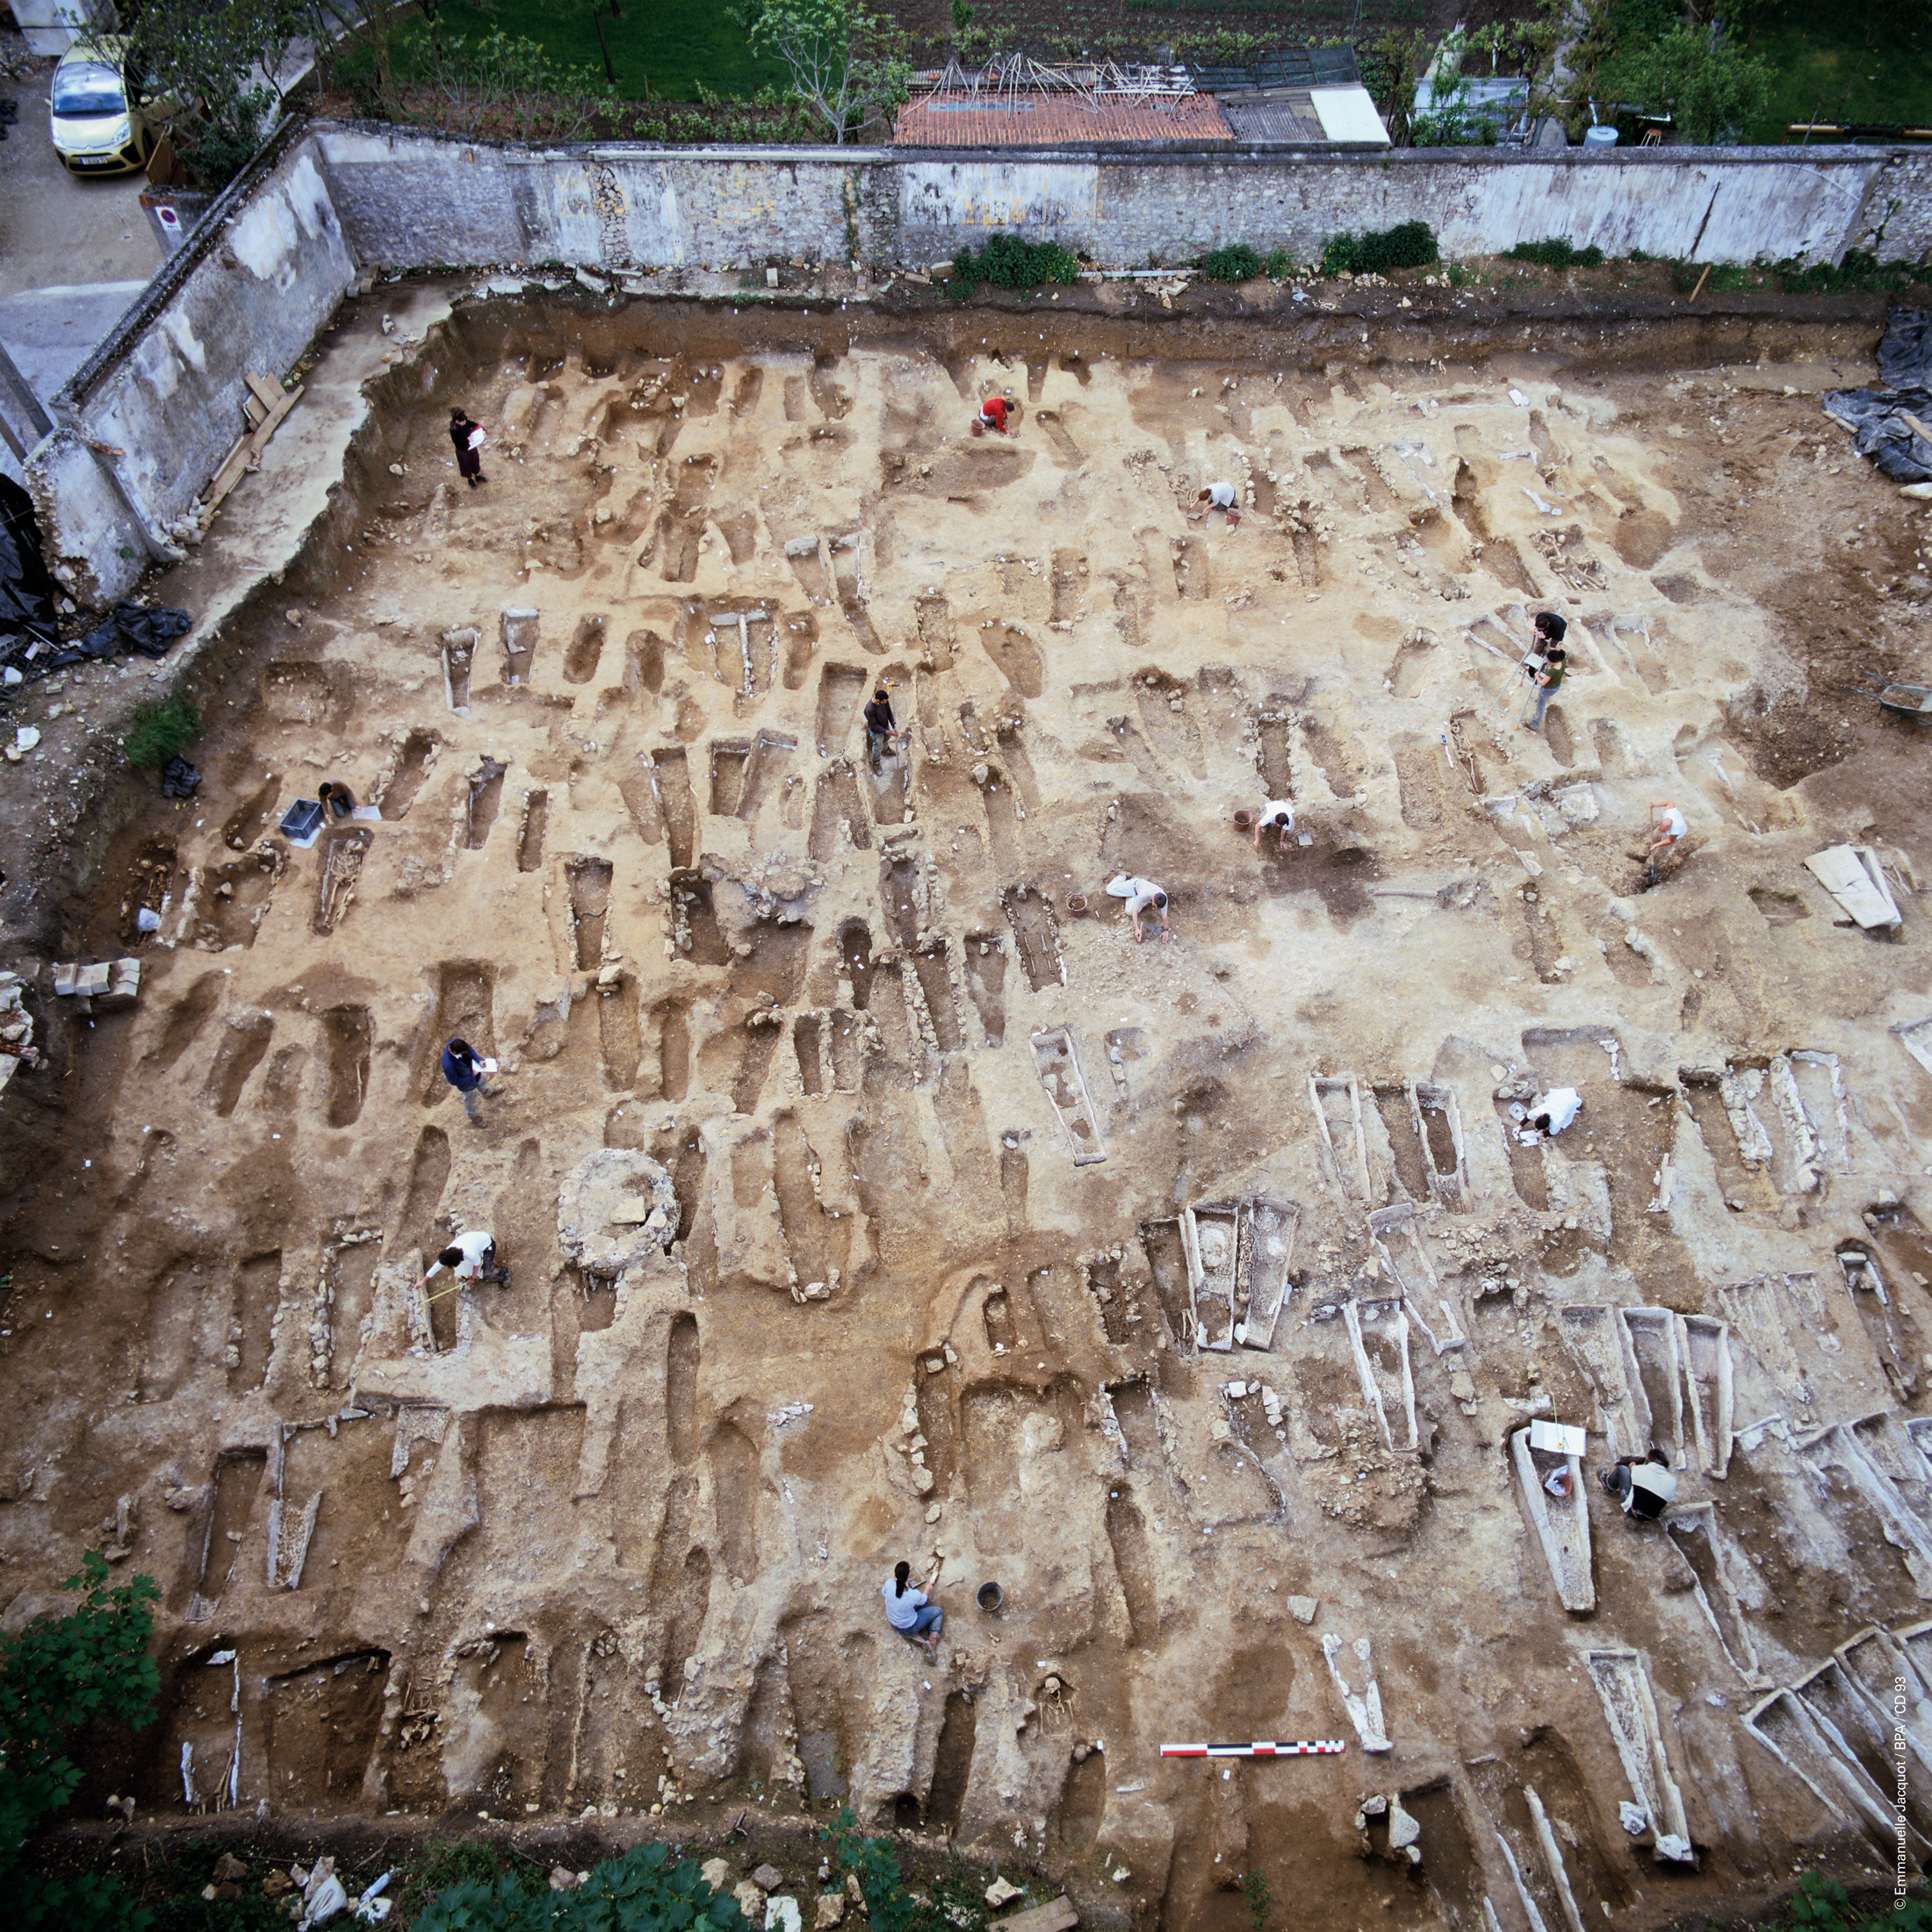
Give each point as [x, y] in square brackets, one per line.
[218, 68]
[56, 1674]
[1710, 90]
[1391, 66]
[846, 64]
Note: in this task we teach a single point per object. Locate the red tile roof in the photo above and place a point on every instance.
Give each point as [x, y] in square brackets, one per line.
[1003, 119]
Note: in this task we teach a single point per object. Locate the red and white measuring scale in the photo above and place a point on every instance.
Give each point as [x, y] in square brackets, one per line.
[1308, 1746]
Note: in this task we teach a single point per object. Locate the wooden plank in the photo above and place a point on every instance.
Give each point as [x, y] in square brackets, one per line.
[253, 410]
[235, 464]
[1055, 1916]
[279, 408]
[266, 392]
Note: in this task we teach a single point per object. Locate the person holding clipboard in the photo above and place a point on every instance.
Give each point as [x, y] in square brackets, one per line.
[468, 435]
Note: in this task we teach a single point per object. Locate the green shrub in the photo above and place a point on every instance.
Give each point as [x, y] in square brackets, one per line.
[1823, 1904]
[1555, 253]
[1238, 263]
[1408, 245]
[1859, 272]
[1341, 256]
[452, 1862]
[649, 1888]
[957, 1901]
[180, 1876]
[1278, 266]
[1008, 261]
[56, 1674]
[161, 730]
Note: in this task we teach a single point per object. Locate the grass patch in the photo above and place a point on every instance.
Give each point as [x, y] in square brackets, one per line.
[1555, 253]
[1872, 63]
[160, 731]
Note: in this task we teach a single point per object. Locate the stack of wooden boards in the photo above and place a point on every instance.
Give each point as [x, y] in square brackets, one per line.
[266, 403]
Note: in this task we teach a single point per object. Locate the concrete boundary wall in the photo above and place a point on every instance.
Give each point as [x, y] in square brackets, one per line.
[143, 425]
[413, 200]
[147, 420]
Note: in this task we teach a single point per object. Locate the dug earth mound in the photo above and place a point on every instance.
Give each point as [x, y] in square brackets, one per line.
[868, 1193]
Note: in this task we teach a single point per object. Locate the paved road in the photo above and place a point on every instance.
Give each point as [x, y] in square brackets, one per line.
[74, 252]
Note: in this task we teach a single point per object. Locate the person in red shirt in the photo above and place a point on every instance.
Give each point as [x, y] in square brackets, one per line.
[992, 411]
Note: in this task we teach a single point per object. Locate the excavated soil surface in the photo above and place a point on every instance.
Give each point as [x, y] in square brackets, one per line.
[1193, 1292]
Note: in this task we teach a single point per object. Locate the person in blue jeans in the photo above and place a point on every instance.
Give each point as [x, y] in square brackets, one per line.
[1549, 681]
[911, 1612]
[463, 1069]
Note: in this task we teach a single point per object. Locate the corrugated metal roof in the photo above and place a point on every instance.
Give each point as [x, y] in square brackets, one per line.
[1007, 120]
[1290, 66]
[1289, 115]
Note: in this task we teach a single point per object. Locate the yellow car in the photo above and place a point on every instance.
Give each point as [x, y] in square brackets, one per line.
[97, 128]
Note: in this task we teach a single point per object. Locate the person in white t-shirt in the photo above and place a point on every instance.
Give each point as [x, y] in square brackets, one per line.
[1277, 815]
[1220, 495]
[1646, 1486]
[1146, 896]
[471, 1257]
[1551, 1113]
[911, 1612]
[1667, 827]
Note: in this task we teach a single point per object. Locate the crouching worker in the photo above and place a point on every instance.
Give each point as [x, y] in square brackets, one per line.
[993, 414]
[911, 1612]
[1646, 1486]
[1219, 495]
[470, 1257]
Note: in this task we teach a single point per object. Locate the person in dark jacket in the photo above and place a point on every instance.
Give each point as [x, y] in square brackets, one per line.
[464, 1069]
[469, 453]
[880, 728]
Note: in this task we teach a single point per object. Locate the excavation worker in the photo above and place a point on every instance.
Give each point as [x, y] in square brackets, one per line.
[1667, 826]
[1550, 628]
[463, 1068]
[1220, 495]
[911, 1612]
[1548, 680]
[471, 1257]
[1644, 1486]
[1141, 895]
[1277, 815]
[881, 727]
[468, 435]
[1554, 1111]
[993, 415]
[340, 801]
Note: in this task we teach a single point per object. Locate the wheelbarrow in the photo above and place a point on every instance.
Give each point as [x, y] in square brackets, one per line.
[1909, 700]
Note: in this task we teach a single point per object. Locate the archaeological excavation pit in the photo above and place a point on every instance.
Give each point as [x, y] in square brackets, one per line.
[868, 1191]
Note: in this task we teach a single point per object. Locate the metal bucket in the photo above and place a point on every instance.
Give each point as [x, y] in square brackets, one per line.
[989, 1597]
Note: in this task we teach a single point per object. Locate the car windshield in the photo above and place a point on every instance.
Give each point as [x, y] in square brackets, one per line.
[86, 89]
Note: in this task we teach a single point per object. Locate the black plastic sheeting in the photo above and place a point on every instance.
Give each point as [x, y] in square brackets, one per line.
[179, 779]
[27, 586]
[1892, 426]
[132, 627]
[30, 636]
